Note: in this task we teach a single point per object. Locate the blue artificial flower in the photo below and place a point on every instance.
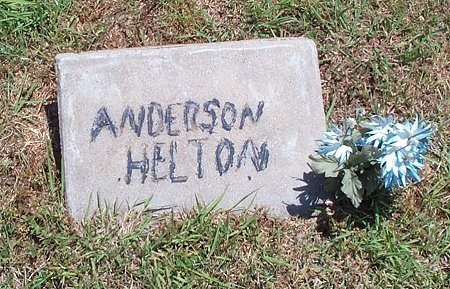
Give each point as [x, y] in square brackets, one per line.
[400, 167]
[404, 147]
[379, 130]
[333, 145]
[416, 135]
[350, 123]
[393, 169]
[360, 112]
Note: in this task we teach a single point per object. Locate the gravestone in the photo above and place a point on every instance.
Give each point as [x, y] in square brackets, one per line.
[177, 124]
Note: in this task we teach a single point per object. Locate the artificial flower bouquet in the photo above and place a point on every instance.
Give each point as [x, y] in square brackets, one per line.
[364, 154]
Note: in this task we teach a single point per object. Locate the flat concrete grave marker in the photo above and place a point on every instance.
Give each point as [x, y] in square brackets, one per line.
[186, 122]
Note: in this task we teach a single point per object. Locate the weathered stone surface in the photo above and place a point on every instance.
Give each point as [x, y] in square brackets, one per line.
[177, 123]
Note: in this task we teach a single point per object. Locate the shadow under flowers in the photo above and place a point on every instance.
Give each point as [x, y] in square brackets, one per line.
[342, 214]
[334, 211]
[311, 196]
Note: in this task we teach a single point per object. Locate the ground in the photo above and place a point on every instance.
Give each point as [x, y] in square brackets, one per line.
[389, 57]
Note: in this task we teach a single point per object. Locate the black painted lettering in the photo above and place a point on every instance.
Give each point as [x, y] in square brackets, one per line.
[259, 158]
[247, 112]
[155, 124]
[142, 166]
[228, 145]
[199, 144]
[170, 120]
[228, 108]
[128, 114]
[157, 158]
[208, 108]
[172, 166]
[190, 115]
[102, 120]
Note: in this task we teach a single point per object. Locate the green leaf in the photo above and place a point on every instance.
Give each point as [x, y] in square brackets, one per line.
[371, 152]
[329, 166]
[357, 159]
[370, 181]
[366, 157]
[331, 184]
[352, 187]
[356, 134]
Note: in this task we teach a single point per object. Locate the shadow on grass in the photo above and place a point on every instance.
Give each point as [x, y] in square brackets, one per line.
[51, 112]
[342, 214]
[334, 212]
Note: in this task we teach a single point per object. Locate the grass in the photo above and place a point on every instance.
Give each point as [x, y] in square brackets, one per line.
[386, 56]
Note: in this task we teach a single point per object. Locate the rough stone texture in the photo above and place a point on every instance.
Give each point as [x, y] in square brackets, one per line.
[101, 145]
